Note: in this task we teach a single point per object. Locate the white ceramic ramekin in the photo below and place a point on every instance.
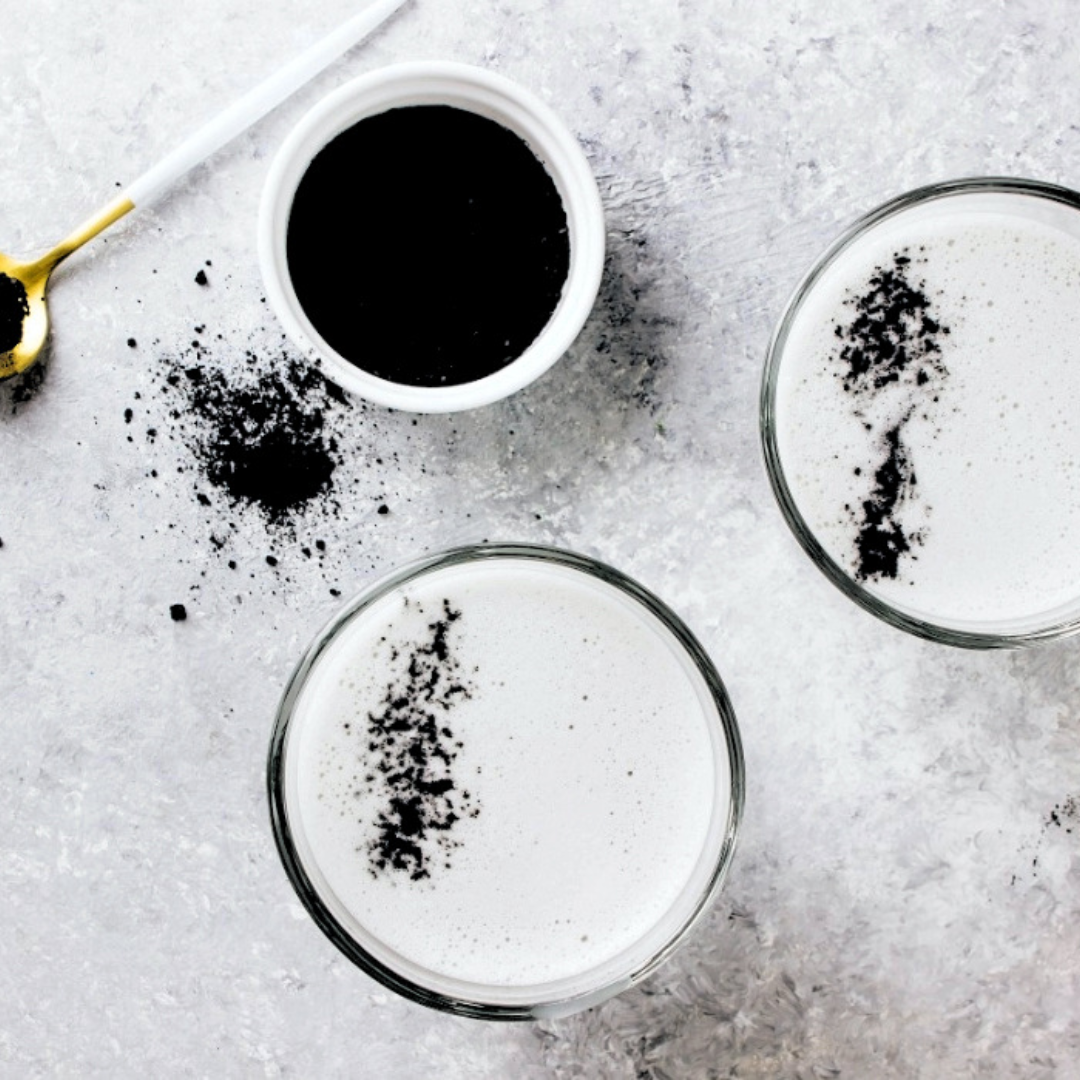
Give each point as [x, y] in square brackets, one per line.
[488, 95]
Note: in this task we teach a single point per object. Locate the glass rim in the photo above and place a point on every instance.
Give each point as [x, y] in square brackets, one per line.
[973, 638]
[729, 740]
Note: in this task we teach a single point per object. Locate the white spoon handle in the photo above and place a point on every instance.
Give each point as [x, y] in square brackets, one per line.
[258, 102]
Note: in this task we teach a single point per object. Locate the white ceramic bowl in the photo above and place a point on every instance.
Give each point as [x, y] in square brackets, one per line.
[488, 95]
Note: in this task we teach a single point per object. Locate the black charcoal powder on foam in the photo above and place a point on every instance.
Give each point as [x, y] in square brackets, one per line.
[892, 343]
[408, 751]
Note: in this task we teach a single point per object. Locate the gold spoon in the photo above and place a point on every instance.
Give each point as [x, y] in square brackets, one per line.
[24, 317]
[24, 292]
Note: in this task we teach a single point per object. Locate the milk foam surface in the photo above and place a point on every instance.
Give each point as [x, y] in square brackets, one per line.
[994, 444]
[589, 746]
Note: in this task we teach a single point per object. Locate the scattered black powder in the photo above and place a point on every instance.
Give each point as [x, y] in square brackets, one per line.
[461, 240]
[257, 432]
[633, 322]
[410, 752]
[13, 309]
[892, 341]
[255, 439]
[178, 612]
[1065, 815]
[19, 391]
[260, 435]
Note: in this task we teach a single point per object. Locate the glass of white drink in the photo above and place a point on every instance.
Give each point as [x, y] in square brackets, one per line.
[920, 412]
[505, 781]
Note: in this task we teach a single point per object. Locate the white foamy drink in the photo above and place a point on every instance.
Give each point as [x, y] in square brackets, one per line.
[507, 781]
[926, 411]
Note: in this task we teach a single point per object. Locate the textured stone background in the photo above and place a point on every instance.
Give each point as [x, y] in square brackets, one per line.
[902, 903]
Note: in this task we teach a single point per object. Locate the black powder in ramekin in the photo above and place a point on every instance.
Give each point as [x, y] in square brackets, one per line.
[428, 245]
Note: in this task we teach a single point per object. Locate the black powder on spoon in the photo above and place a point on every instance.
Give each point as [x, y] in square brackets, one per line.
[13, 309]
[428, 245]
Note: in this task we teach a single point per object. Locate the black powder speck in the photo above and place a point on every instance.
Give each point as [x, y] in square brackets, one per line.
[201, 278]
[178, 612]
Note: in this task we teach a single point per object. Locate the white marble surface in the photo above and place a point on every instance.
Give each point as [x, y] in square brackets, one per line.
[902, 903]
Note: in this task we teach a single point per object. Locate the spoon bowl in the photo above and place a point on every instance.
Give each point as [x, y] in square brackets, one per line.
[25, 298]
[31, 278]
